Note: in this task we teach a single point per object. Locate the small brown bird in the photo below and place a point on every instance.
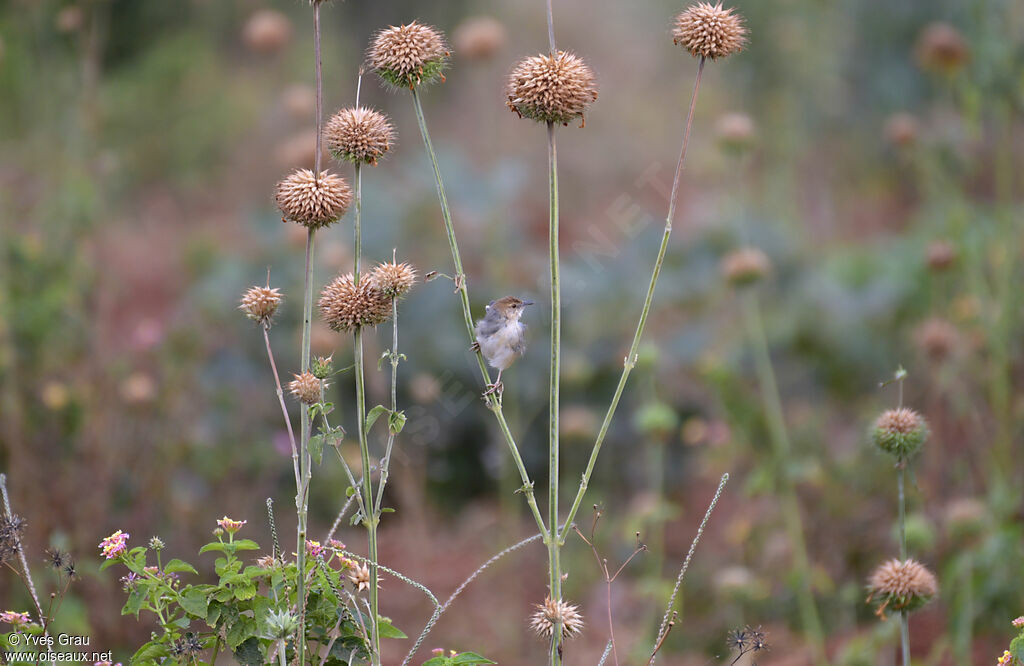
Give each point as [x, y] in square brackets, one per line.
[501, 336]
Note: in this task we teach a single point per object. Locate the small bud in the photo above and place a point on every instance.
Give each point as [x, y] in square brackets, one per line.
[323, 366]
[156, 543]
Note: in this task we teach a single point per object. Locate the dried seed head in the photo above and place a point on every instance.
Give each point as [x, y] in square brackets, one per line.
[735, 132]
[345, 305]
[709, 31]
[310, 202]
[900, 432]
[408, 55]
[305, 388]
[267, 31]
[901, 129]
[552, 89]
[260, 304]
[551, 612]
[323, 366]
[745, 266]
[392, 279]
[11, 531]
[900, 586]
[937, 338]
[479, 38]
[359, 135]
[941, 48]
[941, 255]
[360, 577]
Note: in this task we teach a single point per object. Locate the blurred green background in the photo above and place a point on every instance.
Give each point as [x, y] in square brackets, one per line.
[141, 142]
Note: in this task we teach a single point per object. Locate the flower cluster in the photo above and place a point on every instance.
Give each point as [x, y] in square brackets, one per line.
[306, 388]
[231, 526]
[359, 135]
[345, 305]
[260, 304]
[709, 31]
[310, 201]
[900, 432]
[14, 617]
[114, 545]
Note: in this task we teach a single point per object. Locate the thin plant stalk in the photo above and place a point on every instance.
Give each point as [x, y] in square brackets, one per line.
[554, 561]
[782, 449]
[460, 284]
[385, 463]
[630, 361]
[369, 512]
[302, 494]
[904, 618]
[26, 576]
[668, 621]
[284, 407]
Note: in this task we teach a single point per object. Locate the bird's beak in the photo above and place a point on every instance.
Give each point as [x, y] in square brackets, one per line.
[527, 302]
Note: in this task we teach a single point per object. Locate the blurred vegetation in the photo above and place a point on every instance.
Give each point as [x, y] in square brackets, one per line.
[139, 144]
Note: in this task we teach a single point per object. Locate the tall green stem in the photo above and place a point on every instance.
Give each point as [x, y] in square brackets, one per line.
[630, 360]
[904, 618]
[460, 282]
[385, 463]
[554, 565]
[369, 513]
[782, 449]
[305, 466]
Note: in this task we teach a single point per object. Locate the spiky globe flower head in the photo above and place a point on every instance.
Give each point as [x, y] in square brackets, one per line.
[306, 388]
[359, 135]
[551, 612]
[745, 266]
[709, 31]
[941, 48]
[937, 338]
[900, 432]
[941, 255]
[735, 132]
[901, 129]
[901, 586]
[407, 55]
[551, 88]
[392, 279]
[260, 304]
[344, 305]
[310, 202]
[360, 577]
[479, 38]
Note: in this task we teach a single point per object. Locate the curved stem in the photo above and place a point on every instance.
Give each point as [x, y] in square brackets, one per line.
[461, 287]
[630, 360]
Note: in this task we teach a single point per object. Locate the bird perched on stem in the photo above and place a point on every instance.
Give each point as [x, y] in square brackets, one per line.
[501, 336]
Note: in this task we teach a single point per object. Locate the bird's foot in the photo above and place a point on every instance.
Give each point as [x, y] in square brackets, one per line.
[475, 347]
[495, 389]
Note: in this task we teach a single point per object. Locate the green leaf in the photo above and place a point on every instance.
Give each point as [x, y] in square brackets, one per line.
[245, 544]
[109, 563]
[177, 566]
[316, 448]
[151, 652]
[388, 630]
[135, 600]
[240, 630]
[245, 591]
[396, 421]
[471, 659]
[248, 653]
[350, 491]
[374, 414]
[1017, 648]
[194, 601]
[214, 546]
[437, 661]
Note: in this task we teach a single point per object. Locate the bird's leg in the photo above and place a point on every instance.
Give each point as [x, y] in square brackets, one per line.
[496, 388]
[475, 347]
